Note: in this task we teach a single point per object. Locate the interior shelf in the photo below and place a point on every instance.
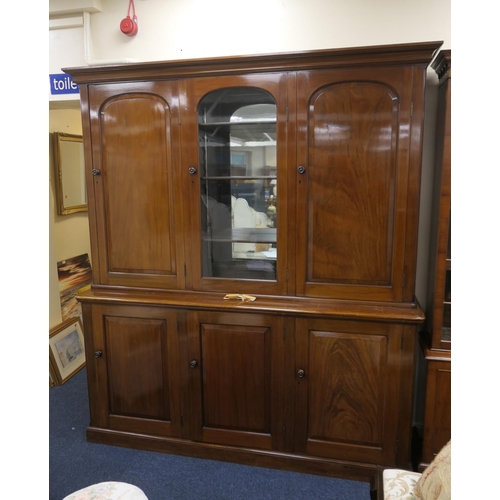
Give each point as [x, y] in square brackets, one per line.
[244, 235]
[262, 121]
[238, 177]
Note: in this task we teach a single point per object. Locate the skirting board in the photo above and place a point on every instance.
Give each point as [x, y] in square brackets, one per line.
[274, 460]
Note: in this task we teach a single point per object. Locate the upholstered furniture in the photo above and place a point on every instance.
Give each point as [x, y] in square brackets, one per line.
[432, 484]
[109, 490]
[398, 484]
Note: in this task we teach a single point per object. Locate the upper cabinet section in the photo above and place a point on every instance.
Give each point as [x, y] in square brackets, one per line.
[288, 174]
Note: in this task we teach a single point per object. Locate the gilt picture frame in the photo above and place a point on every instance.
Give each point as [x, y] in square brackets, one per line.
[66, 350]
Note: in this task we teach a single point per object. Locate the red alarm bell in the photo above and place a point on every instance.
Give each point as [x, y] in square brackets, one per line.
[129, 26]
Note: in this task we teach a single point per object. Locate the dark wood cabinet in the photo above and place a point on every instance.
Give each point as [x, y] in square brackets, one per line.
[436, 338]
[294, 178]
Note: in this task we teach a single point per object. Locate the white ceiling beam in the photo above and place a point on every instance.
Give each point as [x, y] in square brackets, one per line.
[59, 23]
[65, 7]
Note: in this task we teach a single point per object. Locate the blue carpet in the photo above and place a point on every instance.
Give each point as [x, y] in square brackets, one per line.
[75, 463]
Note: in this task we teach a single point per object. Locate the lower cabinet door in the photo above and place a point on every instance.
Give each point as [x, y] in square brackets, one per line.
[236, 379]
[136, 369]
[437, 429]
[346, 389]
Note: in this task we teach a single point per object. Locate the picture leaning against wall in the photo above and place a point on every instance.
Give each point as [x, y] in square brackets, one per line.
[73, 274]
[66, 350]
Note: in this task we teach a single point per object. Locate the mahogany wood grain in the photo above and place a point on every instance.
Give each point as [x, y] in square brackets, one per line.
[407, 361]
[237, 381]
[351, 204]
[291, 306]
[347, 399]
[352, 133]
[135, 349]
[89, 180]
[137, 369]
[96, 416]
[135, 139]
[290, 181]
[437, 419]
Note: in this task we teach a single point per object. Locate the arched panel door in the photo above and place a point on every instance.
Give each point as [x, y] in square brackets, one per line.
[235, 171]
[352, 183]
[135, 152]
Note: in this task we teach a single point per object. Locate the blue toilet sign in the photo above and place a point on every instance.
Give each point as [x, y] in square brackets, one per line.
[62, 84]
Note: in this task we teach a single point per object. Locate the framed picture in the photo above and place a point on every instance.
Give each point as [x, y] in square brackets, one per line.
[74, 274]
[66, 350]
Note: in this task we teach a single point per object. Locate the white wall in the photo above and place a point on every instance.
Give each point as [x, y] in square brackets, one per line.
[70, 231]
[69, 234]
[185, 29]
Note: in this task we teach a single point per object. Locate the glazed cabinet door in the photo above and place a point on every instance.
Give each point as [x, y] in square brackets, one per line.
[135, 223]
[357, 199]
[134, 371]
[234, 140]
[346, 386]
[236, 379]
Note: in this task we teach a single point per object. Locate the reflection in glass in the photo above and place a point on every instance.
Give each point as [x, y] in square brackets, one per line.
[237, 137]
[446, 330]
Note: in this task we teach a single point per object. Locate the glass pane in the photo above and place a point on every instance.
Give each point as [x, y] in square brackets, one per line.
[237, 136]
[446, 331]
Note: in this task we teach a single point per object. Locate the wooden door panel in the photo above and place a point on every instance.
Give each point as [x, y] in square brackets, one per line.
[353, 142]
[136, 229]
[351, 400]
[138, 368]
[437, 430]
[443, 410]
[346, 404]
[236, 365]
[136, 377]
[237, 384]
[136, 138]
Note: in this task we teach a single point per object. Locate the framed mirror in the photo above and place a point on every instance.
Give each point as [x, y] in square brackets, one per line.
[69, 167]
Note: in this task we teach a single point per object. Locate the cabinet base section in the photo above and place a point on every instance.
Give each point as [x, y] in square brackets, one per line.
[273, 460]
